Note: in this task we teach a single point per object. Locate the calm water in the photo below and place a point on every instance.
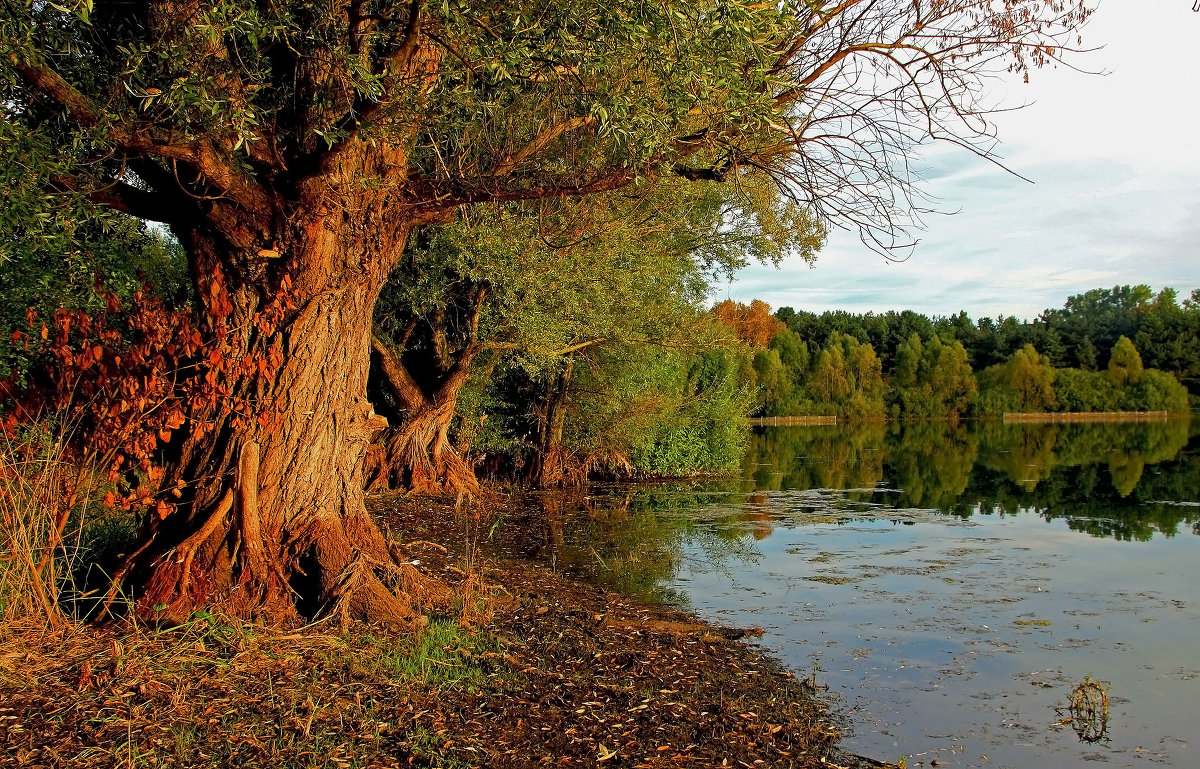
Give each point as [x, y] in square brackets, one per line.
[952, 586]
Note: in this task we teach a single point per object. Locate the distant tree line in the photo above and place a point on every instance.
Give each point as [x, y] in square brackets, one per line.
[1119, 349]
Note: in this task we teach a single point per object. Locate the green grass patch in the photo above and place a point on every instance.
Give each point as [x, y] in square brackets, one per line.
[434, 751]
[444, 654]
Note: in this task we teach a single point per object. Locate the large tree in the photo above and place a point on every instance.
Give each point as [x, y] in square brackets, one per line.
[292, 148]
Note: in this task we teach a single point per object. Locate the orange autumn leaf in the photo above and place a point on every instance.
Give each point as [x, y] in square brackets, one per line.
[174, 419]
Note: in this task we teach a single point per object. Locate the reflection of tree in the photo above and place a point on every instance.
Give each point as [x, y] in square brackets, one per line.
[1096, 475]
[1025, 455]
[930, 462]
[711, 517]
[1093, 476]
[1105, 480]
[1029, 453]
[602, 537]
[821, 457]
[1126, 471]
[631, 539]
[757, 514]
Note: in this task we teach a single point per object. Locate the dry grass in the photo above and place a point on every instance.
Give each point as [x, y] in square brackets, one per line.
[44, 502]
[214, 693]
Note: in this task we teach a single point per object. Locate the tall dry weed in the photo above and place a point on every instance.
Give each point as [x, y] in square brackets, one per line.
[43, 501]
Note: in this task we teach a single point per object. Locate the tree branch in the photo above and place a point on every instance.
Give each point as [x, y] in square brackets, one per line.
[124, 197]
[559, 352]
[402, 58]
[715, 173]
[481, 294]
[199, 155]
[539, 144]
[432, 196]
[364, 110]
[398, 378]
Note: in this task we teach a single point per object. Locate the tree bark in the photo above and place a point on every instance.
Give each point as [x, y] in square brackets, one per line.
[270, 517]
[548, 467]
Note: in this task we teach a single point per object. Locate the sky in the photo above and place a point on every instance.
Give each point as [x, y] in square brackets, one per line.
[1114, 161]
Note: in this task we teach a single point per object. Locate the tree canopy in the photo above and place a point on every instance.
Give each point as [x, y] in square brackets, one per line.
[232, 109]
[930, 372]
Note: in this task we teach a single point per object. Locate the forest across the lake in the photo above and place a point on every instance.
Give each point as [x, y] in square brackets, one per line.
[1107, 350]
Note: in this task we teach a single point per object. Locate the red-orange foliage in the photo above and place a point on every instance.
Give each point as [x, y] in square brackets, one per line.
[124, 381]
[753, 324]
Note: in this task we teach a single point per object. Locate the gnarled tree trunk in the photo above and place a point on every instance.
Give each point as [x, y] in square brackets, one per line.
[270, 517]
[417, 454]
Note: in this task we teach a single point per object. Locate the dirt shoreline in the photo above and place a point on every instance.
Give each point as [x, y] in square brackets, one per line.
[710, 699]
[567, 674]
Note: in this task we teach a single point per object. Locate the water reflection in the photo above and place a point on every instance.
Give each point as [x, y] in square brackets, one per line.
[1124, 481]
[938, 576]
[1107, 479]
[632, 539]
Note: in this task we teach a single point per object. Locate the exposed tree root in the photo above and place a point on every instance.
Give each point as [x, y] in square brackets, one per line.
[419, 457]
[173, 589]
[390, 592]
[563, 469]
[252, 539]
[344, 566]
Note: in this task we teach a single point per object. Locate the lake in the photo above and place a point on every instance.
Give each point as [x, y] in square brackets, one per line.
[954, 586]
